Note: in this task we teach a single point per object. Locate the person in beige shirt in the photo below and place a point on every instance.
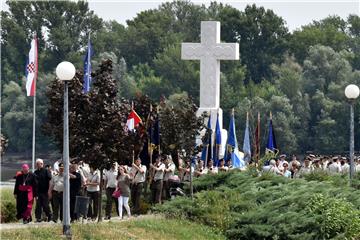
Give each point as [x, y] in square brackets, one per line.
[168, 173]
[56, 193]
[158, 169]
[138, 173]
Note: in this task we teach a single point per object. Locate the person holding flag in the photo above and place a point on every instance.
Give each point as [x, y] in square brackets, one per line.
[31, 76]
[206, 153]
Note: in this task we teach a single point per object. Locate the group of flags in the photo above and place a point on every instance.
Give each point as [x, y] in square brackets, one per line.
[238, 159]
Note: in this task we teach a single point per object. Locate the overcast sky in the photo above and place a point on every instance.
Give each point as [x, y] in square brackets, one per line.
[296, 13]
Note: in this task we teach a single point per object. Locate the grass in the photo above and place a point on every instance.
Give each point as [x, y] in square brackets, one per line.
[149, 228]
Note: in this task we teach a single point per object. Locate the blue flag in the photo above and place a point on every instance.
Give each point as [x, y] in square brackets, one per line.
[217, 141]
[206, 153]
[246, 146]
[232, 150]
[87, 68]
[271, 143]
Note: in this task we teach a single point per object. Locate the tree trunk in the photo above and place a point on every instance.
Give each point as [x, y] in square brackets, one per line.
[100, 193]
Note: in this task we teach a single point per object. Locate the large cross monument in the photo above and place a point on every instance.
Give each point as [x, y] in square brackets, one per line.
[210, 51]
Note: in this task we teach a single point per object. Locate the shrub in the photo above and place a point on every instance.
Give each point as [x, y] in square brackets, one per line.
[270, 207]
[8, 206]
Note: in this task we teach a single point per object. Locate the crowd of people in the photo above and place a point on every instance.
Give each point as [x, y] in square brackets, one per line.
[123, 183]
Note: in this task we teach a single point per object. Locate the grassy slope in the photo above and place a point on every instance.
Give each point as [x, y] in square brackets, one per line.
[149, 228]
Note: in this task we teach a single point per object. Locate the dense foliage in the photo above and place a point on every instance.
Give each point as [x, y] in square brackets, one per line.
[299, 76]
[271, 207]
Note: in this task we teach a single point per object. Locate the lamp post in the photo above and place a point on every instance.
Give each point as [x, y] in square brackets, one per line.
[65, 71]
[352, 92]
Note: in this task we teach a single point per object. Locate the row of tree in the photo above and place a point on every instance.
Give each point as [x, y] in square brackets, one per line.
[299, 76]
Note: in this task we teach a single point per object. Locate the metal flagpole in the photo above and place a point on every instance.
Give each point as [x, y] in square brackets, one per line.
[34, 108]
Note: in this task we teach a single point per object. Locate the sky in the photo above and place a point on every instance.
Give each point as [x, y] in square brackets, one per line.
[296, 13]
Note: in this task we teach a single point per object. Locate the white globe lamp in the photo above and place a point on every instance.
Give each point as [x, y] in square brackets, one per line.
[65, 71]
[352, 91]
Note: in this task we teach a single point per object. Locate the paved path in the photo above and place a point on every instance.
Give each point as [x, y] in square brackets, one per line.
[20, 225]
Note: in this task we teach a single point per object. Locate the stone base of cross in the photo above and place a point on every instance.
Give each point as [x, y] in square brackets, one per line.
[213, 113]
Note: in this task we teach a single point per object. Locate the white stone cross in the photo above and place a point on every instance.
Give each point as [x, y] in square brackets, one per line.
[210, 51]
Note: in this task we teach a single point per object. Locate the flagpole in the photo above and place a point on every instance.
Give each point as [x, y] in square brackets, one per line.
[34, 106]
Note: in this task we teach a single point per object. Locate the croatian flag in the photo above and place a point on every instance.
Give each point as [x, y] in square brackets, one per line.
[133, 120]
[32, 69]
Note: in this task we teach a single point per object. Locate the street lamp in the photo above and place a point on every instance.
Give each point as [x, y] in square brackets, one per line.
[352, 92]
[65, 71]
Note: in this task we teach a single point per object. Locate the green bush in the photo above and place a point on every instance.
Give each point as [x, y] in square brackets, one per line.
[271, 207]
[8, 206]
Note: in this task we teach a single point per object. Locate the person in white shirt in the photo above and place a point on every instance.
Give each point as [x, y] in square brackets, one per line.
[200, 170]
[222, 167]
[281, 161]
[334, 167]
[158, 169]
[56, 165]
[211, 169]
[56, 193]
[357, 166]
[110, 182]
[93, 189]
[273, 168]
[169, 173]
[345, 167]
[306, 168]
[138, 175]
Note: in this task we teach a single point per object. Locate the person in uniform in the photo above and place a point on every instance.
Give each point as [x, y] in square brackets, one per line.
[25, 191]
[345, 167]
[200, 170]
[168, 173]
[138, 175]
[222, 167]
[211, 169]
[43, 177]
[334, 167]
[56, 193]
[306, 168]
[110, 178]
[156, 186]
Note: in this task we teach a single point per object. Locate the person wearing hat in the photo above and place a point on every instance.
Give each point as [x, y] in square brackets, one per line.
[306, 168]
[25, 191]
[138, 176]
[158, 169]
[285, 172]
[345, 167]
[334, 167]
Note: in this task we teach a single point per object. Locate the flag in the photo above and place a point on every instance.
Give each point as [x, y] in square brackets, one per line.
[133, 120]
[271, 143]
[246, 145]
[32, 68]
[87, 68]
[206, 153]
[232, 150]
[257, 140]
[155, 136]
[217, 142]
